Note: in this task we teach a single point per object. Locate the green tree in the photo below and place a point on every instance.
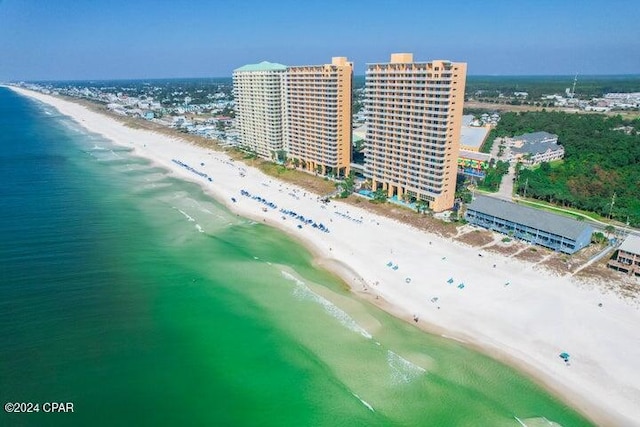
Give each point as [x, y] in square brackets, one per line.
[422, 206]
[347, 185]
[609, 229]
[379, 196]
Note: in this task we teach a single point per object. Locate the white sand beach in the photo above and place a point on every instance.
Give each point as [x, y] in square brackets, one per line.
[519, 314]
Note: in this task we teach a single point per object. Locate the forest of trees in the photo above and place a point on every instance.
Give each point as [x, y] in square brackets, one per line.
[536, 86]
[601, 165]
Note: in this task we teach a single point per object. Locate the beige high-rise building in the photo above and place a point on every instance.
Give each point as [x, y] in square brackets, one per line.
[413, 129]
[317, 116]
[257, 90]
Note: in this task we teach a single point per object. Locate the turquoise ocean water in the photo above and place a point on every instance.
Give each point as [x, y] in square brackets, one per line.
[144, 302]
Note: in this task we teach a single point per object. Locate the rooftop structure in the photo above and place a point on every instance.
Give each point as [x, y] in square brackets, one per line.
[532, 225]
[536, 138]
[262, 66]
[317, 116]
[472, 137]
[535, 148]
[258, 97]
[413, 129]
[627, 258]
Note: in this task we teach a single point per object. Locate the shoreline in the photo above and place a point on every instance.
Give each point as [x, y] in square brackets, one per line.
[485, 315]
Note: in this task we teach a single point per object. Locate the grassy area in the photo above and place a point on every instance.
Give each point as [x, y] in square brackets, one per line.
[405, 215]
[569, 212]
[553, 164]
[315, 184]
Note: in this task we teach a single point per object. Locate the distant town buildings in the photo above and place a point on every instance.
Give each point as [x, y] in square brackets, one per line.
[258, 101]
[413, 128]
[627, 258]
[535, 148]
[531, 225]
[317, 116]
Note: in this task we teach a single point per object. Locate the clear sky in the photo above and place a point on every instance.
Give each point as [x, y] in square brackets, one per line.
[100, 39]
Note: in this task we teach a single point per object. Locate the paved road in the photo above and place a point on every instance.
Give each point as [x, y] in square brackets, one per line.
[506, 186]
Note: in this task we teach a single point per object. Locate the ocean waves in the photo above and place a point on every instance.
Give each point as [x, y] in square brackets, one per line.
[302, 291]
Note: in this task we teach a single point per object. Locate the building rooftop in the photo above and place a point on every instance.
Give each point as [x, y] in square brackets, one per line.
[536, 147]
[538, 219]
[474, 155]
[472, 137]
[262, 66]
[535, 143]
[631, 244]
[467, 119]
[536, 137]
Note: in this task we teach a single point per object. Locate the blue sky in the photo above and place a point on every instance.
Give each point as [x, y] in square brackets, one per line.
[96, 39]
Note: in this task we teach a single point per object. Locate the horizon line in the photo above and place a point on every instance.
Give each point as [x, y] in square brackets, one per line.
[230, 77]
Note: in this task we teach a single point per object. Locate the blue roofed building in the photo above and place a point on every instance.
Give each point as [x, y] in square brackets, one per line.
[552, 231]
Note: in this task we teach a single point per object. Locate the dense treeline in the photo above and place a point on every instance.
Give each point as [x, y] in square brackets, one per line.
[601, 164]
[536, 86]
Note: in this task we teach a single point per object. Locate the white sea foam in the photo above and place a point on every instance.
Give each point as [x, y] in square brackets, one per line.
[402, 371]
[302, 291]
[364, 402]
[520, 421]
[186, 215]
[536, 422]
[190, 219]
[452, 338]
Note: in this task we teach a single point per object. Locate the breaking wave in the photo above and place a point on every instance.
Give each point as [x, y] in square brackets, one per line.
[302, 291]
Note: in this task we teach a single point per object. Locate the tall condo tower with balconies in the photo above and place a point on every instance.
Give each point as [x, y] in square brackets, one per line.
[257, 90]
[413, 128]
[317, 116]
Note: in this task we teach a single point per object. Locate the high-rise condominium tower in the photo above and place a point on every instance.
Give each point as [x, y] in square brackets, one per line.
[413, 131]
[317, 116]
[257, 90]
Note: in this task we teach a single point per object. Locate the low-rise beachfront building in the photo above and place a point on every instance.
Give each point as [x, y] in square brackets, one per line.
[413, 128]
[473, 164]
[535, 148]
[542, 228]
[627, 258]
[257, 90]
[317, 116]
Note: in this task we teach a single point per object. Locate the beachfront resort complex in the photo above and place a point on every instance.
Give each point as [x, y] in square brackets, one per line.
[317, 116]
[303, 111]
[413, 134]
[258, 93]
